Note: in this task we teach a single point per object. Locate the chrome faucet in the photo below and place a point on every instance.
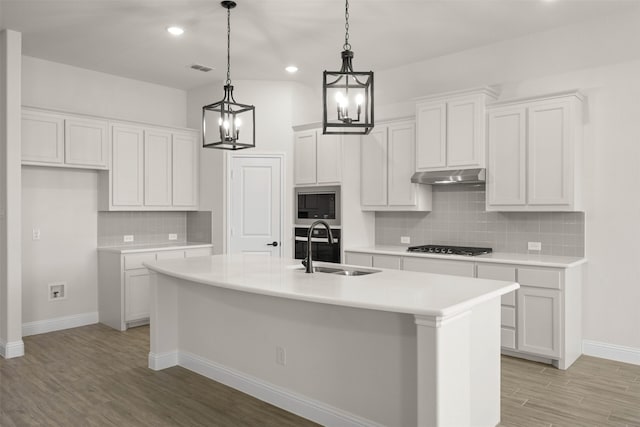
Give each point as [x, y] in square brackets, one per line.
[308, 262]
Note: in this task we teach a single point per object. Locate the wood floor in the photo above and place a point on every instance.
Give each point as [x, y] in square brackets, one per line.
[95, 376]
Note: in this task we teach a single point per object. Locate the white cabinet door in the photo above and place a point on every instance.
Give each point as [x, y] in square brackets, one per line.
[328, 158]
[157, 168]
[431, 119]
[128, 164]
[438, 266]
[136, 284]
[185, 170]
[305, 158]
[539, 327]
[550, 154]
[86, 143]
[465, 133]
[373, 167]
[506, 171]
[42, 137]
[401, 149]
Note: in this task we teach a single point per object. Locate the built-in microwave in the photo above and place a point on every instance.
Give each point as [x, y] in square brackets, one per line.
[314, 203]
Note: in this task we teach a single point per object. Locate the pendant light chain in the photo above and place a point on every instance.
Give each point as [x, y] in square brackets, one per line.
[228, 46]
[347, 45]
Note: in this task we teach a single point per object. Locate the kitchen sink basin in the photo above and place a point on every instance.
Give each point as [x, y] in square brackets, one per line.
[342, 271]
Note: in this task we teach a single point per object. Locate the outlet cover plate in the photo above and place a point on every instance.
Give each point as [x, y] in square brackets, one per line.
[534, 246]
[405, 239]
[128, 238]
[173, 236]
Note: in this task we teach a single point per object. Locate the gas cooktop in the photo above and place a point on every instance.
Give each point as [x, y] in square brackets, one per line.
[450, 250]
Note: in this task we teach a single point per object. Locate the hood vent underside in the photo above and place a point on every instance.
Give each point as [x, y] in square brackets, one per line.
[462, 176]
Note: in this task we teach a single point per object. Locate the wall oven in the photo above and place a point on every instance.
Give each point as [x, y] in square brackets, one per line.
[314, 203]
[321, 249]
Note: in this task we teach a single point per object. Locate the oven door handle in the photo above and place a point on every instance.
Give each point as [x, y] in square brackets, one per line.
[316, 239]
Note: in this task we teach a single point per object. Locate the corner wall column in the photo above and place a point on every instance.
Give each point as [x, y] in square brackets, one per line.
[11, 344]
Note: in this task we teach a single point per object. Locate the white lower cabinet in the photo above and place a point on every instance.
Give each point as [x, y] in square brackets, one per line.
[124, 284]
[136, 300]
[541, 320]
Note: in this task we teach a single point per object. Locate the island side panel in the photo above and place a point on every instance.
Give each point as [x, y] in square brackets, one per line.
[163, 316]
[361, 362]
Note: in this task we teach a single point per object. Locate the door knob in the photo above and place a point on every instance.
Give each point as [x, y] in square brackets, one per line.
[272, 244]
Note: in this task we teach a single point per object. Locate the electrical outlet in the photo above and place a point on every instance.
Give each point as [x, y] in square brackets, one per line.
[535, 246]
[35, 234]
[173, 236]
[128, 238]
[281, 356]
[405, 239]
[57, 291]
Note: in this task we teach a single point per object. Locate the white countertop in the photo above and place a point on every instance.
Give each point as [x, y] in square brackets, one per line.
[495, 257]
[154, 247]
[389, 290]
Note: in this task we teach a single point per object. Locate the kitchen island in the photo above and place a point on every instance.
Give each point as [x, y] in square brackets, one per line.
[391, 348]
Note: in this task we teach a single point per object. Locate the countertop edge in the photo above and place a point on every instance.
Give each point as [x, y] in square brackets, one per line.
[152, 248]
[495, 257]
[442, 313]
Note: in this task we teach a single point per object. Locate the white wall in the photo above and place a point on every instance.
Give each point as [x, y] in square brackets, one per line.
[62, 87]
[275, 109]
[63, 203]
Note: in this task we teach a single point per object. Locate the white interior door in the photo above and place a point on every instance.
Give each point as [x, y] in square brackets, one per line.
[255, 217]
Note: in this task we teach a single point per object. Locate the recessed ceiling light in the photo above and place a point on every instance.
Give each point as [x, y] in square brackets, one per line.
[291, 69]
[175, 31]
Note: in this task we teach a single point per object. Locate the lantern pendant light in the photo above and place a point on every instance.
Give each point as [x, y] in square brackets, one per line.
[223, 121]
[347, 95]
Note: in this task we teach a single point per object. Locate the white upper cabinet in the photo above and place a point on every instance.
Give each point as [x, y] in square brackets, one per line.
[157, 168]
[152, 169]
[317, 158]
[86, 142]
[185, 170]
[128, 166]
[57, 139]
[535, 154]
[42, 137]
[451, 130]
[387, 157]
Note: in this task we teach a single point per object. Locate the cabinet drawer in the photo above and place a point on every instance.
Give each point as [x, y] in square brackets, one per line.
[496, 272]
[197, 252]
[386, 261]
[508, 338]
[539, 277]
[356, 258]
[509, 299]
[455, 268]
[508, 316]
[171, 254]
[133, 261]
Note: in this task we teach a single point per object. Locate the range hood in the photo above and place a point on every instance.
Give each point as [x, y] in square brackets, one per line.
[462, 176]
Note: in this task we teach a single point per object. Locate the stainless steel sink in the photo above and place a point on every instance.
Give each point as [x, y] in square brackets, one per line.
[343, 271]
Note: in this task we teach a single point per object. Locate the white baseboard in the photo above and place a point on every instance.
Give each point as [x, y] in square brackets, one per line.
[611, 351]
[161, 361]
[59, 323]
[298, 404]
[11, 349]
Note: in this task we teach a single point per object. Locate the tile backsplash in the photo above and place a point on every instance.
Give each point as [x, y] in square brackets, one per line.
[459, 218]
[146, 227]
[199, 227]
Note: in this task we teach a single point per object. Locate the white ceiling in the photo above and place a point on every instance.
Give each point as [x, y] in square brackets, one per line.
[128, 37]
